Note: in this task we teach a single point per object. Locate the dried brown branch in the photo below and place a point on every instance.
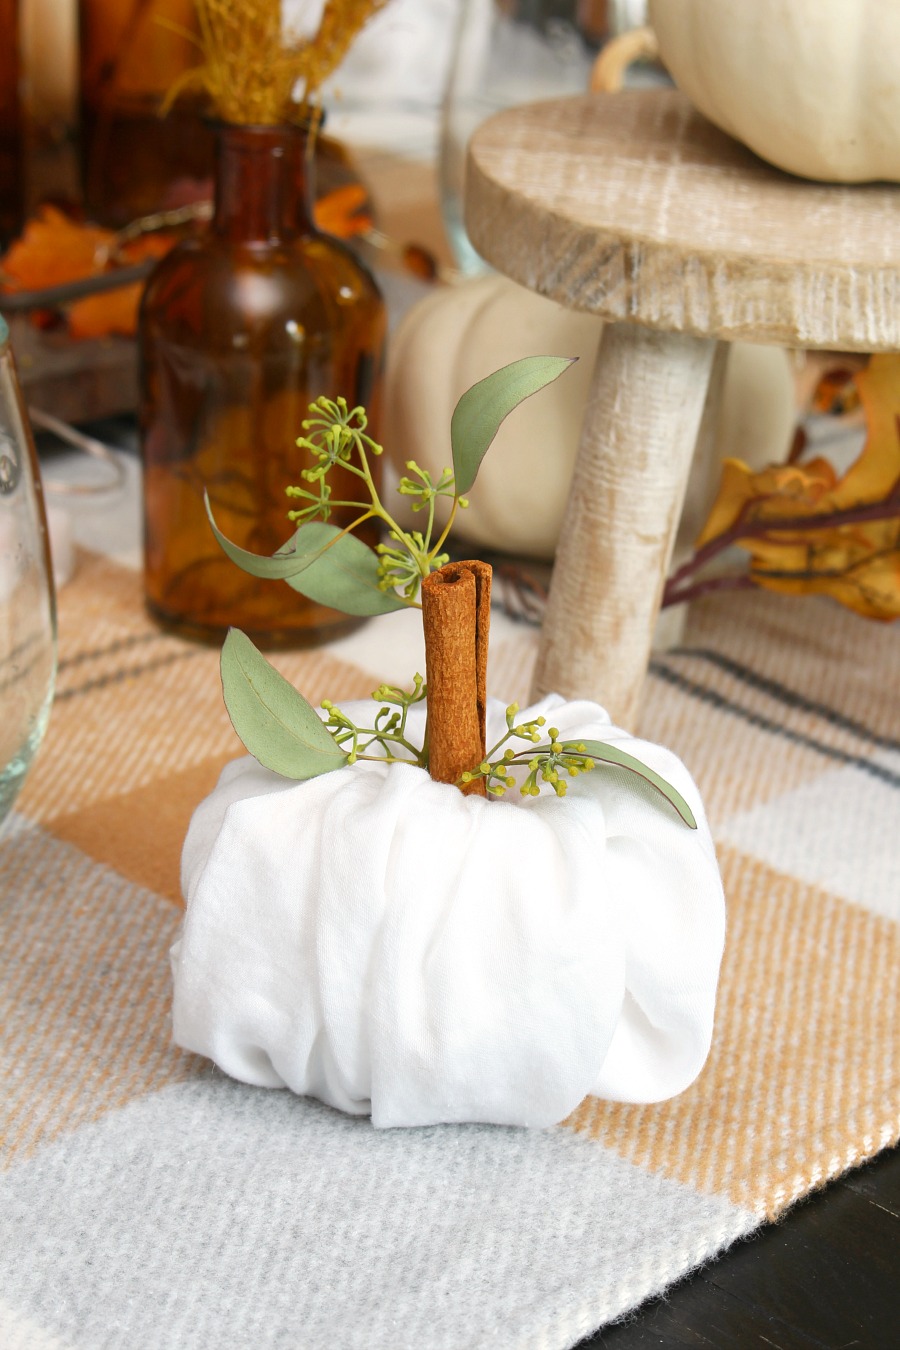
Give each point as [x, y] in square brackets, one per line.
[777, 527]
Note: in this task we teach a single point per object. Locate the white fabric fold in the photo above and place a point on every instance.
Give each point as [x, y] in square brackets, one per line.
[379, 941]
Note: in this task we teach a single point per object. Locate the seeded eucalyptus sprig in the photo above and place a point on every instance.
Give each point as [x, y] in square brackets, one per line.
[544, 762]
[553, 760]
[388, 730]
[330, 565]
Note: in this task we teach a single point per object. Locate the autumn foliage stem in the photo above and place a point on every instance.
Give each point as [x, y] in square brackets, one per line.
[737, 581]
[760, 529]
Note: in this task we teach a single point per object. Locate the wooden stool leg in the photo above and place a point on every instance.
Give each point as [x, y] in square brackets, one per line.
[702, 486]
[641, 424]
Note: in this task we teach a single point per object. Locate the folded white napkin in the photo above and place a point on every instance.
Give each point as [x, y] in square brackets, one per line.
[379, 941]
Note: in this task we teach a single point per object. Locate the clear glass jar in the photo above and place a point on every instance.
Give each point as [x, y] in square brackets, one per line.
[508, 52]
[240, 330]
[625, 15]
[27, 603]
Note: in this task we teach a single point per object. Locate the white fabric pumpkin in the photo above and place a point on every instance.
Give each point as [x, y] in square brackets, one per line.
[379, 941]
[460, 334]
[813, 86]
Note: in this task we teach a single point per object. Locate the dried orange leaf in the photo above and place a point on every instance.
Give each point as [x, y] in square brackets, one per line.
[53, 249]
[784, 490]
[343, 212]
[872, 476]
[110, 312]
[735, 491]
[870, 588]
[807, 531]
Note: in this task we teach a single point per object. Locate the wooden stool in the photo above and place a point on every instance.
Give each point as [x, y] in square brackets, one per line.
[632, 206]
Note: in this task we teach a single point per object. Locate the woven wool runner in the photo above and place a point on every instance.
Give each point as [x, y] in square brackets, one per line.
[147, 1201]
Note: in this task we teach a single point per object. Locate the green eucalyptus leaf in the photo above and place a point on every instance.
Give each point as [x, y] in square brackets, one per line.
[611, 754]
[344, 575]
[274, 721]
[291, 558]
[478, 414]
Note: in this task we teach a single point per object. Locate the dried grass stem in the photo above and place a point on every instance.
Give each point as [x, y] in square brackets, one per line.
[253, 73]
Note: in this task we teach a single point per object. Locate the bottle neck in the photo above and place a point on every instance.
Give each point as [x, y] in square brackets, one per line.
[261, 187]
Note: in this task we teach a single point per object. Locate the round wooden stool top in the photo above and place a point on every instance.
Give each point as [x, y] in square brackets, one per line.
[634, 207]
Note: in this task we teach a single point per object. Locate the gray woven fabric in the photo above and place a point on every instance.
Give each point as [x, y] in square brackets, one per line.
[224, 1216]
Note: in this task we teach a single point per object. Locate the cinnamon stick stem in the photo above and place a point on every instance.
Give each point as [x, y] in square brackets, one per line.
[456, 615]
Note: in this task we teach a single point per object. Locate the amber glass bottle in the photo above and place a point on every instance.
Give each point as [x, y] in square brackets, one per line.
[240, 330]
[131, 53]
[11, 167]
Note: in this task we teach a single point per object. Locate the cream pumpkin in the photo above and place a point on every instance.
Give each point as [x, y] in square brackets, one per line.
[460, 334]
[813, 86]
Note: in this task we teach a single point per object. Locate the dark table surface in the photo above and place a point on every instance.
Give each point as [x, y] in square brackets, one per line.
[827, 1277]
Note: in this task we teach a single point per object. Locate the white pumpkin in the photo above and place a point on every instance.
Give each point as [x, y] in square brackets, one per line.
[813, 86]
[382, 942]
[460, 334]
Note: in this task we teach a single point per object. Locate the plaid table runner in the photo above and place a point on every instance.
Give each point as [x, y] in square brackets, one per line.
[147, 1201]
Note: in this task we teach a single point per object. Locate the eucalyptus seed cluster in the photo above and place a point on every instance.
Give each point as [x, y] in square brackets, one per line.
[335, 433]
[425, 491]
[551, 761]
[400, 568]
[550, 764]
[388, 730]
